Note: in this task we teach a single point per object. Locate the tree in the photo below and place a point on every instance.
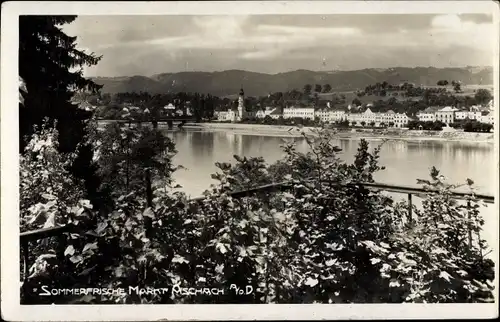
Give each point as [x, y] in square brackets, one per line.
[363, 123]
[391, 124]
[327, 88]
[483, 96]
[317, 88]
[307, 89]
[442, 83]
[353, 123]
[372, 123]
[457, 87]
[51, 68]
[46, 55]
[356, 102]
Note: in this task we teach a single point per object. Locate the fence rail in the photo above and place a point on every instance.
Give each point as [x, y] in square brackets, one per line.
[283, 186]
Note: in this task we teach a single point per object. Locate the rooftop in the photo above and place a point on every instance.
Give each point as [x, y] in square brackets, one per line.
[448, 109]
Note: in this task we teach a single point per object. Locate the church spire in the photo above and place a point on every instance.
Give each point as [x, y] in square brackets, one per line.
[242, 93]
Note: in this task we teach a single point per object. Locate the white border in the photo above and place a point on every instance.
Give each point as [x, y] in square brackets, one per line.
[10, 308]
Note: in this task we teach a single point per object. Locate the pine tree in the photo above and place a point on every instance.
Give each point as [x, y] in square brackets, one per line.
[51, 68]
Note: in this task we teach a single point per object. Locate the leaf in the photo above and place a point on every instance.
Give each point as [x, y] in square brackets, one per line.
[221, 248]
[149, 213]
[311, 282]
[384, 245]
[76, 259]
[90, 246]
[70, 250]
[87, 271]
[85, 204]
[375, 260]
[101, 227]
[179, 259]
[119, 271]
[48, 196]
[444, 275]
[51, 220]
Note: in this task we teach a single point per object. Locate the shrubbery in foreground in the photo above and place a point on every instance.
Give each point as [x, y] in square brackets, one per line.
[326, 240]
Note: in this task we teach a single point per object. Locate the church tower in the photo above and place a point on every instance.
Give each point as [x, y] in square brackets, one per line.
[241, 105]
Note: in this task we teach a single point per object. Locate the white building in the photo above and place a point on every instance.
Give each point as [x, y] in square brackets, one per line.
[400, 120]
[338, 115]
[170, 106]
[323, 115]
[446, 115]
[427, 115]
[355, 117]
[472, 114]
[386, 118]
[225, 116]
[302, 112]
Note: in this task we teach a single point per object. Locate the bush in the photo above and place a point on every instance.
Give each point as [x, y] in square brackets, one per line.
[325, 240]
[474, 126]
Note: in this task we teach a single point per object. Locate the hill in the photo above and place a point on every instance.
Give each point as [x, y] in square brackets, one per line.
[257, 84]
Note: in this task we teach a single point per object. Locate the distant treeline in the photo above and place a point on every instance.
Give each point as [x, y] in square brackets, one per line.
[404, 98]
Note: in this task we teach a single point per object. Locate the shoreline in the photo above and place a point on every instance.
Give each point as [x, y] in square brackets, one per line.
[295, 131]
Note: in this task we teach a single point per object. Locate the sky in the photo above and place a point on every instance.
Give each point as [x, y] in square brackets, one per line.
[148, 45]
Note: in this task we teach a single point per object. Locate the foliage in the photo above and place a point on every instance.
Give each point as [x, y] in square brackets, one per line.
[327, 88]
[474, 126]
[483, 96]
[439, 257]
[426, 125]
[52, 78]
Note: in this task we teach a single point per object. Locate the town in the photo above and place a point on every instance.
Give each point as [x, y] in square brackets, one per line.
[355, 115]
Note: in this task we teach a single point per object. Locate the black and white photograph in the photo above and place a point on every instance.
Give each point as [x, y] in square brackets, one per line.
[185, 156]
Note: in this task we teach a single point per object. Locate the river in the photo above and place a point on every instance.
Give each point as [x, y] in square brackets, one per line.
[405, 162]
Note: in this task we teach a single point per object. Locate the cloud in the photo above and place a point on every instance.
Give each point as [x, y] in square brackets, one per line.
[450, 30]
[156, 44]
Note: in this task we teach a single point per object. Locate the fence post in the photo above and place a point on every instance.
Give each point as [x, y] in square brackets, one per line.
[410, 208]
[25, 249]
[149, 199]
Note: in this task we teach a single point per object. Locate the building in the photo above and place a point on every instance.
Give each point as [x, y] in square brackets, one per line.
[427, 115]
[302, 112]
[487, 117]
[446, 115]
[355, 117]
[323, 115]
[263, 113]
[401, 120]
[238, 115]
[260, 114]
[226, 116]
[337, 115]
[472, 114]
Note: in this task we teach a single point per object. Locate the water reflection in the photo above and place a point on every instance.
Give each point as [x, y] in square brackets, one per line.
[405, 162]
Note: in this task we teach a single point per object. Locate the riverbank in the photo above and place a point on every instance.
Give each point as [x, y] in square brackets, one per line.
[392, 134]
